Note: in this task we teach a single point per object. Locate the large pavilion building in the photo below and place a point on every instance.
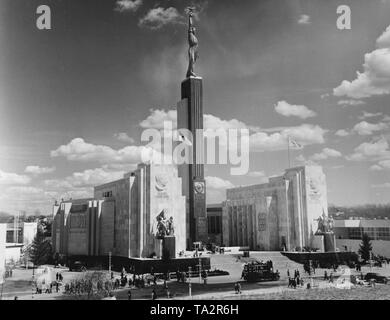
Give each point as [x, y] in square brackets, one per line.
[279, 215]
[121, 218]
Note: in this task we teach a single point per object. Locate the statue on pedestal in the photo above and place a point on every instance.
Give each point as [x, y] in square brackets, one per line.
[325, 225]
[165, 226]
[192, 43]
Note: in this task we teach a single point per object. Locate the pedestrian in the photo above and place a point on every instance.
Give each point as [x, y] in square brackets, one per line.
[239, 287]
[236, 287]
[154, 294]
[57, 287]
[288, 273]
[325, 275]
[129, 295]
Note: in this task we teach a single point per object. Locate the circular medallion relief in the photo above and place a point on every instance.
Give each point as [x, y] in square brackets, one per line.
[199, 187]
[161, 182]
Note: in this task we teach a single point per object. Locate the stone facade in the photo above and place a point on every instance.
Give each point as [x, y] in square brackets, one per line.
[279, 215]
[121, 218]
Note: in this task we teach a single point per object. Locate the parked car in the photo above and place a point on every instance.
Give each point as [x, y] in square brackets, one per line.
[361, 282]
[78, 266]
[375, 276]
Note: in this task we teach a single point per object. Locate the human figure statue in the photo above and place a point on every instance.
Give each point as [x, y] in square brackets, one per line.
[192, 43]
[321, 225]
[161, 225]
[170, 227]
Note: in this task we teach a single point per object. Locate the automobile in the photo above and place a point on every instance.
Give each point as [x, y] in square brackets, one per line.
[78, 266]
[361, 282]
[375, 276]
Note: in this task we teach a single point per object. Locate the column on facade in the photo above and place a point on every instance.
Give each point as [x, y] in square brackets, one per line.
[250, 226]
[235, 225]
[296, 184]
[246, 225]
[230, 223]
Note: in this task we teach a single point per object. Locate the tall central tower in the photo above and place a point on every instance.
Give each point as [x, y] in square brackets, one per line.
[190, 117]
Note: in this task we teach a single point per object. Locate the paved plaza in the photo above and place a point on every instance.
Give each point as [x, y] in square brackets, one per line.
[218, 287]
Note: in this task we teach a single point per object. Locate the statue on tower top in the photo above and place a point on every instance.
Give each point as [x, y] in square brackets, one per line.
[192, 43]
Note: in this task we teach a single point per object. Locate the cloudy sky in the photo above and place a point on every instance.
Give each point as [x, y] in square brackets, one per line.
[75, 99]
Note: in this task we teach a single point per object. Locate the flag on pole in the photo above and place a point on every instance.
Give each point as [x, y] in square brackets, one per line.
[292, 143]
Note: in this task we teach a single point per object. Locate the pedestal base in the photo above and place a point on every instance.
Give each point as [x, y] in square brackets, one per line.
[169, 246]
[158, 248]
[318, 242]
[329, 242]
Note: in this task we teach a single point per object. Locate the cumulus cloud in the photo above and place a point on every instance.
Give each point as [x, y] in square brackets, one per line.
[217, 183]
[326, 153]
[256, 174]
[365, 128]
[216, 189]
[324, 95]
[9, 178]
[366, 115]
[213, 123]
[127, 5]
[159, 17]
[288, 110]
[374, 150]
[93, 177]
[259, 175]
[124, 137]
[37, 170]
[305, 134]
[342, 133]
[382, 165]
[79, 150]
[375, 78]
[157, 117]
[304, 19]
[350, 102]
[24, 190]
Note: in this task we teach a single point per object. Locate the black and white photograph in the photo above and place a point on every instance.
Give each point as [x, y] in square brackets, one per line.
[204, 152]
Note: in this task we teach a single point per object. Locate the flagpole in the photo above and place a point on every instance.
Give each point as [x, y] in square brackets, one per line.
[288, 151]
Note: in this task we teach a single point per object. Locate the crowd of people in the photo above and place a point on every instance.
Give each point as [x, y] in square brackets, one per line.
[294, 281]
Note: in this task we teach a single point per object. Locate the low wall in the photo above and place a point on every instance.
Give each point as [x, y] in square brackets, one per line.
[141, 266]
[324, 259]
[381, 247]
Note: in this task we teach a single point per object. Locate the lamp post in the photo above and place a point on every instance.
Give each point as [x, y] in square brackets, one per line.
[109, 263]
[33, 279]
[189, 281]
[200, 271]
[370, 260]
